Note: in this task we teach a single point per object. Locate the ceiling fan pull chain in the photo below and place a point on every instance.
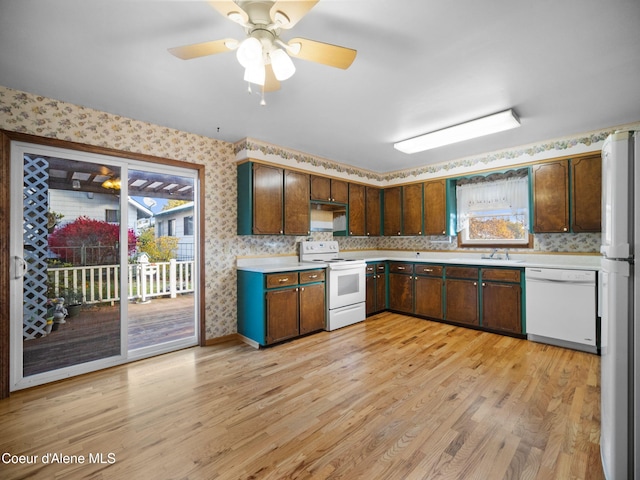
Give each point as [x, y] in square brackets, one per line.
[249, 88]
[262, 102]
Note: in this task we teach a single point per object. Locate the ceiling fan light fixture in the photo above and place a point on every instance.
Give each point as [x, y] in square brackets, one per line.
[249, 52]
[255, 74]
[479, 127]
[283, 67]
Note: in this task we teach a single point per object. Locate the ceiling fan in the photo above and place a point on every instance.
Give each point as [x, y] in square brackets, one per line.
[263, 54]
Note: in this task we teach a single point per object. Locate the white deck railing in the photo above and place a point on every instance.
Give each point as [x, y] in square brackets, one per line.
[101, 283]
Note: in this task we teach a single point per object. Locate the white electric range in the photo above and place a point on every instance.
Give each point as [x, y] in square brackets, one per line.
[346, 289]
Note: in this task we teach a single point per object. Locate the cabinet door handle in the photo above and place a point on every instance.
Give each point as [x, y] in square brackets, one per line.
[400, 268]
[564, 229]
[427, 270]
[443, 232]
[420, 233]
[302, 289]
[313, 276]
[281, 232]
[475, 283]
[484, 284]
[381, 267]
[281, 280]
[398, 233]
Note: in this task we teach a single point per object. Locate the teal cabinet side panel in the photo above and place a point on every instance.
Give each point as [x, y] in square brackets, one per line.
[452, 208]
[245, 198]
[252, 321]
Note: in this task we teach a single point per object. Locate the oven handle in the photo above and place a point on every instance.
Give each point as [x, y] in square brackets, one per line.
[357, 267]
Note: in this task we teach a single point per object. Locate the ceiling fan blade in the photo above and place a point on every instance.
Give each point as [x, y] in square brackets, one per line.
[225, 7]
[294, 10]
[196, 50]
[325, 53]
[271, 83]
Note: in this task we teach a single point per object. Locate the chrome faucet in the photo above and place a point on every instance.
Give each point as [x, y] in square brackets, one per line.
[495, 250]
[506, 253]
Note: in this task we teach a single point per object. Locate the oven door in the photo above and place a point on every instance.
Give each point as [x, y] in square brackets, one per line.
[346, 285]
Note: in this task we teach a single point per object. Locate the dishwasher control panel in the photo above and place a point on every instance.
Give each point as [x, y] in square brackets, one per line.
[558, 275]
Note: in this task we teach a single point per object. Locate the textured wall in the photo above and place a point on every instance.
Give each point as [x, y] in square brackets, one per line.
[32, 114]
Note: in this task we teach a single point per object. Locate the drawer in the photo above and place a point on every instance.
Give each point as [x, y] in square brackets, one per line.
[397, 267]
[309, 276]
[282, 279]
[375, 268]
[462, 272]
[429, 270]
[501, 274]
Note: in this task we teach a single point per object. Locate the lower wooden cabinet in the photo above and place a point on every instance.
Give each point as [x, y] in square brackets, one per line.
[278, 306]
[502, 300]
[401, 287]
[490, 298]
[428, 292]
[416, 289]
[376, 288]
[462, 301]
[282, 314]
[312, 308]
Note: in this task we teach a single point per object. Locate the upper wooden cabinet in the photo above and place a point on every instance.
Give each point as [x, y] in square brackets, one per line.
[356, 209]
[393, 211]
[435, 208]
[296, 203]
[567, 195]
[586, 194]
[268, 200]
[272, 201]
[372, 211]
[551, 197]
[329, 189]
[412, 209]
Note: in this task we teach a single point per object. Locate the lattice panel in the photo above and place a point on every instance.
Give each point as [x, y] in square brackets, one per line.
[36, 208]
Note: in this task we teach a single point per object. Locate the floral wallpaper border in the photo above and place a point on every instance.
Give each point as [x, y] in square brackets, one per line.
[265, 149]
[595, 139]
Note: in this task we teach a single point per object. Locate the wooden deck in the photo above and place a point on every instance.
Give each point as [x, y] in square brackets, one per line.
[394, 397]
[95, 333]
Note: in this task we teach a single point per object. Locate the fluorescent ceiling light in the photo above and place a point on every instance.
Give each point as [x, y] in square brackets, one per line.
[497, 122]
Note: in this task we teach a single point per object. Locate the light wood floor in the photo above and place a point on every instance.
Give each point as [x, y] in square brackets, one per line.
[391, 398]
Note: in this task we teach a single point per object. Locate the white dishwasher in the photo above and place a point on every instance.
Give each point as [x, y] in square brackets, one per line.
[561, 307]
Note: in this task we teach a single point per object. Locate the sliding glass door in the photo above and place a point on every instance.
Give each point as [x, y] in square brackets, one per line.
[163, 277]
[97, 278]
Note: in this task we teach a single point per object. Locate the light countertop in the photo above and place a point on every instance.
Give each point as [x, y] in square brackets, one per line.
[560, 261]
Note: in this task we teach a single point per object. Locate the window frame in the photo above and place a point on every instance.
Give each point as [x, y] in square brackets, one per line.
[463, 234]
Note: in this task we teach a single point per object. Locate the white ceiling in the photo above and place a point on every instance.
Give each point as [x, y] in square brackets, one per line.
[566, 67]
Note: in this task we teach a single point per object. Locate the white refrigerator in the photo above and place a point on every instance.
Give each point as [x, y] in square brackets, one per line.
[620, 334]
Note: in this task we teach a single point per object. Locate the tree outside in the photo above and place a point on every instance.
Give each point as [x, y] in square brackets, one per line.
[161, 249]
[86, 241]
